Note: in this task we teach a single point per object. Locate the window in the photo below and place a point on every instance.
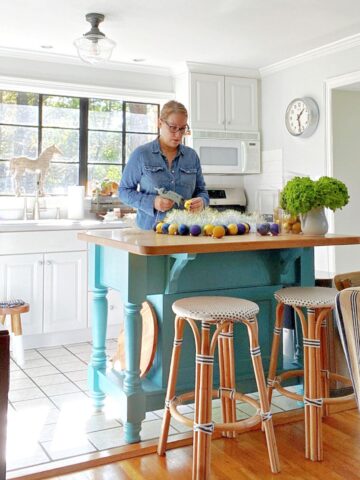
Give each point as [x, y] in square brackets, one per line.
[95, 136]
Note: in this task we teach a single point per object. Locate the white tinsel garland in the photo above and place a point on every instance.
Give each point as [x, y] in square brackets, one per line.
[209, 216]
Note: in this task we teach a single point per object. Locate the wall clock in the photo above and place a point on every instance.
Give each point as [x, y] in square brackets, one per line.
[302, 117]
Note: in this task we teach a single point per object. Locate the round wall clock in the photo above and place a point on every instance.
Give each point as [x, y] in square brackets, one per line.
[302, 117]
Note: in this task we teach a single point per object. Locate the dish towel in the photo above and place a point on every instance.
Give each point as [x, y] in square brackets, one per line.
[348, 322]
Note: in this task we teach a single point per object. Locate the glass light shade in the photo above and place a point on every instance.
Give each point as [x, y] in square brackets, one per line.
[94, 48]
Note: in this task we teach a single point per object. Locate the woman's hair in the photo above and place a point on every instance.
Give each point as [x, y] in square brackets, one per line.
[172, 107]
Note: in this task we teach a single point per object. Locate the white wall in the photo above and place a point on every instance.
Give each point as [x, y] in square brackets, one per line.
[306, 156]
[346, 163]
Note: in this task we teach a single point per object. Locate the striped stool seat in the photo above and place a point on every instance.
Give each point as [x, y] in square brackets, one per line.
[215, 309]
[217, 314]
[14, 308]
[318, 303]
[310, 297]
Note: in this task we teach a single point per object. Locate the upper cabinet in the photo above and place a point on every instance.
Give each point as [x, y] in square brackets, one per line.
[223, 103]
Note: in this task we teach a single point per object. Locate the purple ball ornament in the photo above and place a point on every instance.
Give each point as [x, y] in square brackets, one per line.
[263, 228]
[195, 230]
[241, 228]
[274, 229]
[183, 229]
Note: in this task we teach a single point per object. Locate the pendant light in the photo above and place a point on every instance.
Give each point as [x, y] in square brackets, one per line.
[94, 47]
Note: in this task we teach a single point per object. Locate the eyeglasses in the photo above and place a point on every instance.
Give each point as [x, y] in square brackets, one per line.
[175, 129]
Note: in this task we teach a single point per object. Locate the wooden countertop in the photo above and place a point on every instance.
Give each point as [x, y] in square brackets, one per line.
[143, 242]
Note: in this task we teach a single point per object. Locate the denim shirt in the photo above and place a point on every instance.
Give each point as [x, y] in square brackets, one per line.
[148, 168]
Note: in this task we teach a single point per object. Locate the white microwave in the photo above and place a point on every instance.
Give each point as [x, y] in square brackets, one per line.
[227, 152]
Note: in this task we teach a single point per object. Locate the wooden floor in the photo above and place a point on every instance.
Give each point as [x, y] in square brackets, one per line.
[246, 457]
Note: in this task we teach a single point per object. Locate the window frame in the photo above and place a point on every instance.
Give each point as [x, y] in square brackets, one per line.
[83, 128]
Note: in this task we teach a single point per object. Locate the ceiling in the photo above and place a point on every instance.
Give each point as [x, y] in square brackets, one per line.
[242, 33]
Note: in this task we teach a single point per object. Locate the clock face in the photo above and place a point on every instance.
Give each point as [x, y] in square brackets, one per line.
[301, 117]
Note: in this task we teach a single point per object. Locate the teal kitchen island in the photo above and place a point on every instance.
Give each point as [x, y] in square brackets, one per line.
[143, 265]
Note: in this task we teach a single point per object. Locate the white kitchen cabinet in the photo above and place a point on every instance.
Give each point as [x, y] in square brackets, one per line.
[220, 102]
[65, 291]
[115, 308]
[54, 285]
[22, 276]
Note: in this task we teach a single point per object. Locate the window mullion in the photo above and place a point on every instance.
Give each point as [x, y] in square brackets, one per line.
[83, 141]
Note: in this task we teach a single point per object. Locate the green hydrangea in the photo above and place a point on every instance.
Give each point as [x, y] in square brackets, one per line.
[301, 194]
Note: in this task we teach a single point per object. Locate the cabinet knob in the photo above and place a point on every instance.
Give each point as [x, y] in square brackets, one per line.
[48, 262]
[229, 121]
[111, 307]
[41, 262]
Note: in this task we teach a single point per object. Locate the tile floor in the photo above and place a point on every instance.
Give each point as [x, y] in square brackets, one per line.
[50, 413]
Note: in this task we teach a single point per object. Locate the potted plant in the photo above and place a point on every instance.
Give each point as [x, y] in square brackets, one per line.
[308, 198]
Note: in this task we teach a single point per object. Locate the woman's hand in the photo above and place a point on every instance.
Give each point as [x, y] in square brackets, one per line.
[163, 204]
[196, 205]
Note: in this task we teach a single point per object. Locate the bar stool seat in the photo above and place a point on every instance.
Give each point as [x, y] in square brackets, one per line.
[15, 308]
[219, 313]
[318, 302]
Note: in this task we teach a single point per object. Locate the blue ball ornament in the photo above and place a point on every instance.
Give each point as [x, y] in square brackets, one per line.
[226, 229]
[165, 228]
[195, 230]
[183, 229]
[241, 228]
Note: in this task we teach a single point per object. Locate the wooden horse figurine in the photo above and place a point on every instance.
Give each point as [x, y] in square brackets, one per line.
[20, 165]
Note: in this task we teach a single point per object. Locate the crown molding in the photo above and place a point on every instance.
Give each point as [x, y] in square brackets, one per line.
[330, 48]
[79, 90]
[196, 67]
[62, 59]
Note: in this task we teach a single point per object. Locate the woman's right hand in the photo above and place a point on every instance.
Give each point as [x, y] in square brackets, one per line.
[163, 204]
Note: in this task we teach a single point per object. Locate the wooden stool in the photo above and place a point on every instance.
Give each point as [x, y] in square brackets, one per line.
[222, 313]
[14, 309]
[319, 302]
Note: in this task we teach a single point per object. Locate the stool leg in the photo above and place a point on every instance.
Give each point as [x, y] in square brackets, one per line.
[275, 348]
[261, 386]
[203, 426]
[18, 346]
[325, 367]
[2, 319]
[227, 376]
[174, 366]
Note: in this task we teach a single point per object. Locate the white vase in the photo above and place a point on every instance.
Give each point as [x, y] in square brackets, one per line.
[314, 222]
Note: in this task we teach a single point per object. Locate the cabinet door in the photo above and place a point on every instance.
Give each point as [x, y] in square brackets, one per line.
[22, 276]
[65, 291]
[115, 308]
[207, 102]
[241, 109]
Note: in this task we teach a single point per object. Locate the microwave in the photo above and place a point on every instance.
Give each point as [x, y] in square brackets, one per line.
[227, 152]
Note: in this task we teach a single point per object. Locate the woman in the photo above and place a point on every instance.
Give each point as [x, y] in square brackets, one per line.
[164, 163]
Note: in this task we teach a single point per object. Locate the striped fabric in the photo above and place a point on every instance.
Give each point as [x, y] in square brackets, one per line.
[348, 321]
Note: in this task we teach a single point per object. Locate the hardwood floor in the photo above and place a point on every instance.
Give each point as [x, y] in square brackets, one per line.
[246, 457]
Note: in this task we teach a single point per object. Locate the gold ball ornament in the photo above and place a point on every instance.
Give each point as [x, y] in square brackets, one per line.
[296, 228]
[218, 232]
[208, 230]
[159, 227]
[187, 204]
[232, 229]
[173, 229]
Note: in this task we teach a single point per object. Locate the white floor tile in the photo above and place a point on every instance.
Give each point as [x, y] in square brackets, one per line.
[83, 385]
[72, 366]
[67, 447]
[151, 430]
[77, 375]
[36, 405]
[286, 403]
[71, 400]
[60, 389]
[114, 437]
[36, 362]
[79, 347]
[40, 371]
[20, 458]
[25, 394]
[20, 383]
[53, 352]
[31, 354]
[55, 379]
[63, 358]
[17, 375]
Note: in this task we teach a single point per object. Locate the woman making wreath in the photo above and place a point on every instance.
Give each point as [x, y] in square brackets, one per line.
[164, 163]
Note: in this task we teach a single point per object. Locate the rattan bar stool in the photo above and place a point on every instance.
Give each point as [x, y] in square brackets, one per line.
[318, 302]
[15, 308]
[222, 313]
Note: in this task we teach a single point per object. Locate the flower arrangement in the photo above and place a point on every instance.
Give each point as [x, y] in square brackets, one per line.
[301, 194]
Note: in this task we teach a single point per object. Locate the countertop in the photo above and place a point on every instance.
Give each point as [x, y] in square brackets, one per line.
[59, 224]
[143, 242]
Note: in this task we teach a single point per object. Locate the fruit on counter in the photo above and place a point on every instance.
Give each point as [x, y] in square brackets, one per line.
[290, 224]
[173, 229]
[296, 227]
[274, 229]
[195, 230]
[108, 187]
[219, 231]
[241, 228]
[187, 204]
[263, 228]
